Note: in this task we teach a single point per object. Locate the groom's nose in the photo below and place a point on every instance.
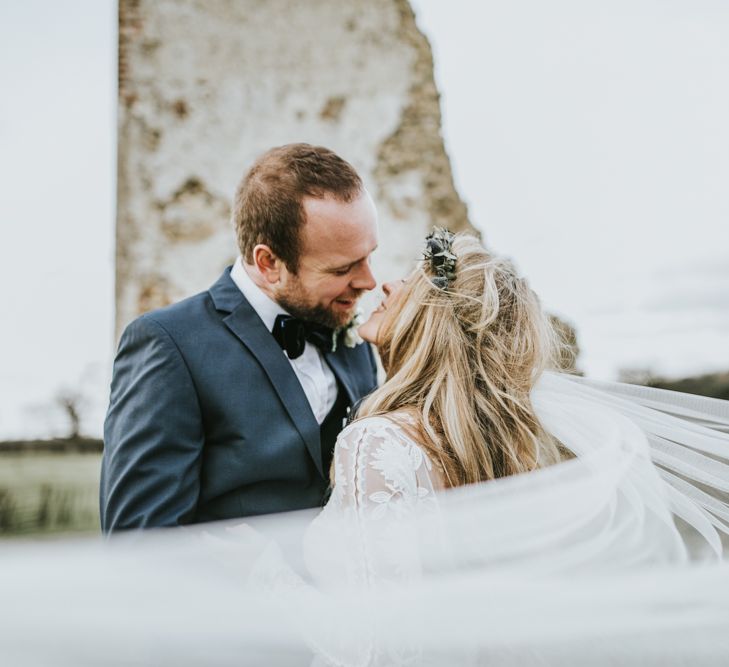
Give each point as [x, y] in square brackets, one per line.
[363, 278]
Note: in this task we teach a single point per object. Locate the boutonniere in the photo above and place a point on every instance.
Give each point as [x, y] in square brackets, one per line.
[349, 332]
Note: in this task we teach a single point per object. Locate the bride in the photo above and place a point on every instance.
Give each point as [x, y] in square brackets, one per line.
[485, 509]
[469, 398]
[463, 342]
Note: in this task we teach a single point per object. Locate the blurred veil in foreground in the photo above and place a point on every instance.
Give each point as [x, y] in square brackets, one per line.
[612, 557]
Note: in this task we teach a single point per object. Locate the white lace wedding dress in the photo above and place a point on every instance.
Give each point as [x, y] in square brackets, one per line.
[383, 481]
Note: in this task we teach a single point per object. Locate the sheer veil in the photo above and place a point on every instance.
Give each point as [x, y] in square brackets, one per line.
[612, 557]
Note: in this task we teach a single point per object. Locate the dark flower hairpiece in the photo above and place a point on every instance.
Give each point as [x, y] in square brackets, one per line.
[439, 252]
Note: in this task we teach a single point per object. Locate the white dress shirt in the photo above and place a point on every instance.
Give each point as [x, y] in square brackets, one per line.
[315, 376]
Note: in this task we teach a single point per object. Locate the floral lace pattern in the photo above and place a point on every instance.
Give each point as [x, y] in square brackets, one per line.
[379, 473]
[382, 481]
[379, 469]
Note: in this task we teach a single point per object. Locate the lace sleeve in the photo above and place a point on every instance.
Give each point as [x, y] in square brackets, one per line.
[379, 470]
[382, 479]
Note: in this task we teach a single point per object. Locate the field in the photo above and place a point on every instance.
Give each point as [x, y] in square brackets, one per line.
[48, 493]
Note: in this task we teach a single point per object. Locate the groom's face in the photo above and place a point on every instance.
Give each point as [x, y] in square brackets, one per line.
[337, 241]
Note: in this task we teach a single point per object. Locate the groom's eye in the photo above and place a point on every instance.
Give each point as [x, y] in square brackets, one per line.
[342, 271]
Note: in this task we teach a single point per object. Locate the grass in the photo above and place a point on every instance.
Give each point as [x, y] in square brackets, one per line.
[45, 493]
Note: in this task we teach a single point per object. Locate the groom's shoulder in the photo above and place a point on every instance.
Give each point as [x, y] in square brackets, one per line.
[190, 313]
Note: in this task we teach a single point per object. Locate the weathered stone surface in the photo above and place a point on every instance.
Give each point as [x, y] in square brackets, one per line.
[207, 85]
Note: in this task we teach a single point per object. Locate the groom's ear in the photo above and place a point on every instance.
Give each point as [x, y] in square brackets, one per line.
[267, 263]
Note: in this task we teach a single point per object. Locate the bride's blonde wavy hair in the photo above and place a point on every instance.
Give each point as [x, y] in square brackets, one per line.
[463, 361]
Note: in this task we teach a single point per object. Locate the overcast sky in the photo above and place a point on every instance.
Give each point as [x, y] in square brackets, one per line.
[589, 139]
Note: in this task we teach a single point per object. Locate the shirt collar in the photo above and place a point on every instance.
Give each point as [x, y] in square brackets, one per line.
[266, 308]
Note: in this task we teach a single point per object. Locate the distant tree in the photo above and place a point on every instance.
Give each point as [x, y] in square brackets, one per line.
[714, 385]
[72, 403]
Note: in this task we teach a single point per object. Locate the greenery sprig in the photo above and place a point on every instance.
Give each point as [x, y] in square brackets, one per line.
[439, 253]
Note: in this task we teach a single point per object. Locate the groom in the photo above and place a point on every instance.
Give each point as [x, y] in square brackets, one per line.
[228, 403]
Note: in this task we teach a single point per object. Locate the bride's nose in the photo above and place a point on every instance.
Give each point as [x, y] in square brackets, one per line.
[393, 285]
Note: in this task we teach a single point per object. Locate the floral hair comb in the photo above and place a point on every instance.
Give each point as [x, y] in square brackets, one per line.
[439, 252]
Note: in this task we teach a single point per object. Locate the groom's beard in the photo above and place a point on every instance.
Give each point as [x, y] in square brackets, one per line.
[293, 302]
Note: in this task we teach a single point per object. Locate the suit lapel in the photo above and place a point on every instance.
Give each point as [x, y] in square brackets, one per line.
[244, 322]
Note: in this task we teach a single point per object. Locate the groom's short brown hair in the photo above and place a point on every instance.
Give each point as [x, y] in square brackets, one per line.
[268, 205]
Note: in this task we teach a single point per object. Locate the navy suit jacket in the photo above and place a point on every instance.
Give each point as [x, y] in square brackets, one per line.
[207, 419]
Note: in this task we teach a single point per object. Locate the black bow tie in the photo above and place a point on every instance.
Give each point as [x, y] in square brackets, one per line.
[291, 334]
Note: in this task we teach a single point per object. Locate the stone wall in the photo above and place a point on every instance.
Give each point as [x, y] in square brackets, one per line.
[207, 85]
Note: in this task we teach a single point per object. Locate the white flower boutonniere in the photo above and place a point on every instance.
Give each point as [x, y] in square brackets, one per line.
[349, 332]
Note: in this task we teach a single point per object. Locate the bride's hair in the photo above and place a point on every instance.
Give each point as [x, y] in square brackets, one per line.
[463, 360]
